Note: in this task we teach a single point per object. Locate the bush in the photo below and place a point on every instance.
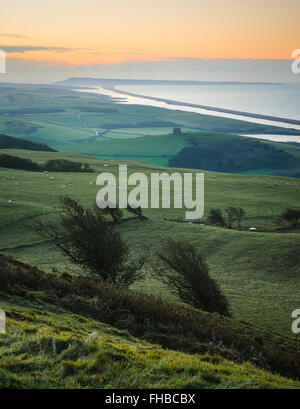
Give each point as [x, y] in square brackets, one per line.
[290, 216]
[90, 241]
[215, 217]
[186, 274]
[14, 162]
[235, 214]
[64, 165]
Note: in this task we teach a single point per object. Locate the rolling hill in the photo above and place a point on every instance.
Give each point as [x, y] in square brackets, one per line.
[259, 272]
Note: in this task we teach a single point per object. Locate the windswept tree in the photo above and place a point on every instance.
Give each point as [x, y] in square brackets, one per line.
[215, 217]
[184, 271]
[290, 216]
[235, 214]
[90, 241]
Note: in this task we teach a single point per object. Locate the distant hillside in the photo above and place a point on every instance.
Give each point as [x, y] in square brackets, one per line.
[10, 142]
[233, 155]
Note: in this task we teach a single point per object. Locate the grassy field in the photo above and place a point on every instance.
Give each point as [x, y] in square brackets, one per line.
[259, 272]
[47, 345]
[87, 123]
[73, 351]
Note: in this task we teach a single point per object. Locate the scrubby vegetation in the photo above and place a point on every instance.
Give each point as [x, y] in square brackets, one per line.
[93, 243]
[186, 274]
[235, 215]
[63, 165]
[14, 162]
[146, 317]
[53, 165]
[47, 346]
[290, 216]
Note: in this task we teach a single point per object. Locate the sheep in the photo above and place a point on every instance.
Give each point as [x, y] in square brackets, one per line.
[10, 201]
[52, 178]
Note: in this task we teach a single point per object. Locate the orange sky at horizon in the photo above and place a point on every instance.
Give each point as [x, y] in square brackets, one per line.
[95, 31]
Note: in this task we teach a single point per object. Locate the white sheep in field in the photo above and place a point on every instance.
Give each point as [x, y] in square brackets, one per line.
[91, 182]
[52, 178]
[17, 184]
[10, 201]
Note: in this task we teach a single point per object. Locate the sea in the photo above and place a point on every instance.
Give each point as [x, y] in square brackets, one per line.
[275, 100]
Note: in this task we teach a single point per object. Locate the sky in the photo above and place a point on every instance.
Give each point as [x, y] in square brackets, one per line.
[63, 36]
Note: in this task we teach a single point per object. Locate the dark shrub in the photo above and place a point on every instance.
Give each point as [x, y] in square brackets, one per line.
[14, 162]
[64, 165]
[290, 216]
[235, 214]
[186, 274]
[90, 241]
[215, 217]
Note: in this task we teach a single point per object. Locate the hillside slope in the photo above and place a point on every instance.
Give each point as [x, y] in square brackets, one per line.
[49, 346]
[258, 271]
[9, 142]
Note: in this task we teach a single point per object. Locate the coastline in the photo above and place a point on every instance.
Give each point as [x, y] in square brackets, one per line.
[291, 125]
[206, 107]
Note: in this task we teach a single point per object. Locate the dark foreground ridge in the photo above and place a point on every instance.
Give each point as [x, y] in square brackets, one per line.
[152, 319]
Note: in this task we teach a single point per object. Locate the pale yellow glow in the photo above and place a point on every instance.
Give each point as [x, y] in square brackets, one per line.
[113, 31]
